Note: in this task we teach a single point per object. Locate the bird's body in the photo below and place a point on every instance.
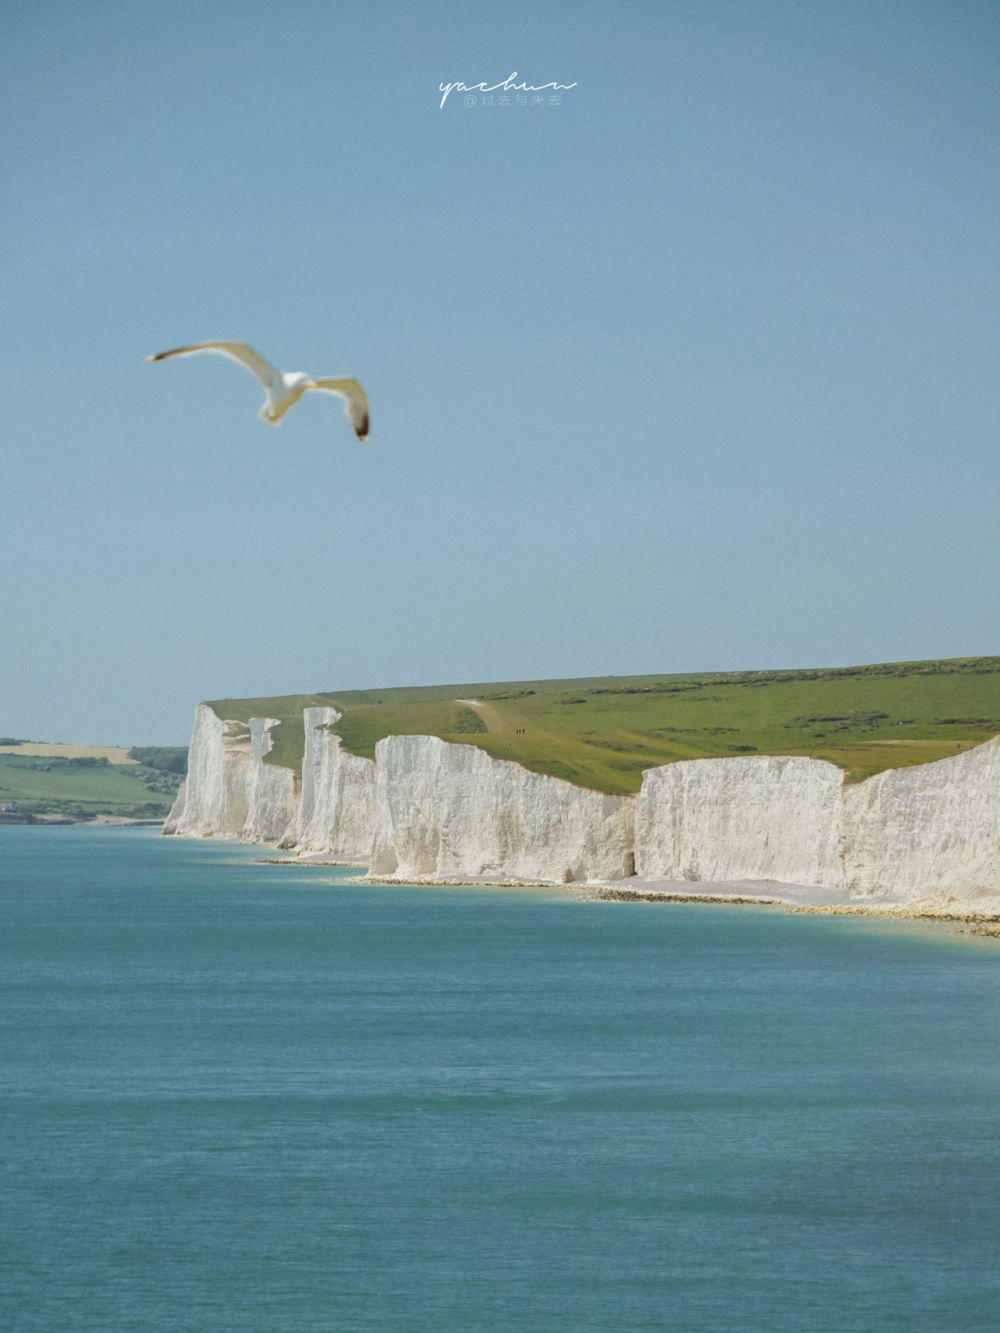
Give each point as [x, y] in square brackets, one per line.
[283, 389]
[284, 395]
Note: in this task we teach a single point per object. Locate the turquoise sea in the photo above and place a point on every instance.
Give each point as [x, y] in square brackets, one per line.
[240, 1097]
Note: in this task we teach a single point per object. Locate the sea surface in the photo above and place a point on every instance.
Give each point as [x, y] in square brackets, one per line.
[246, 1097]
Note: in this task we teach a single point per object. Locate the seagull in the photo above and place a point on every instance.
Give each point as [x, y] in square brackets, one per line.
[283, 389]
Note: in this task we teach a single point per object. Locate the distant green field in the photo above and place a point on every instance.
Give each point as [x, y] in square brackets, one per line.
[602, 732]
[81, 790]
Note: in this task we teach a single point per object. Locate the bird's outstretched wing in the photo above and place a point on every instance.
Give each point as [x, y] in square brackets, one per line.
[268, 375]
[355, 399]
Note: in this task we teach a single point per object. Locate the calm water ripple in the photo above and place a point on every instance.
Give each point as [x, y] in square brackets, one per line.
[249, 1097]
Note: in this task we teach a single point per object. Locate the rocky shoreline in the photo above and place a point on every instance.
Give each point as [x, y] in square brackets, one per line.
[796, 899]
[982, 923]
[636, 896]
[100, 821]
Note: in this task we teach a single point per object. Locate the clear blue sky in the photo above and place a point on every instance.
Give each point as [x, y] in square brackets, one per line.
[693, 371]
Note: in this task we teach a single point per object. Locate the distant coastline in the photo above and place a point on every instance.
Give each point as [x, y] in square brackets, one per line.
[53, 783]
[99, 821]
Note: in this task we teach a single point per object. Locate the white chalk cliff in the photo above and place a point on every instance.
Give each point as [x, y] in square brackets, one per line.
[451, 810]
[336, 814]
[272, 791]
[212, 801]
[425, 808]
[926, 833]
[758, 817]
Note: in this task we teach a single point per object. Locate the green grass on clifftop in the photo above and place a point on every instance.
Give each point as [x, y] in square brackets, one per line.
[602, 732]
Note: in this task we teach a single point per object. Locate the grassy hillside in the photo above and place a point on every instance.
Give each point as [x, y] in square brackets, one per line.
[81, 787]
[602, 732]
[287, 708]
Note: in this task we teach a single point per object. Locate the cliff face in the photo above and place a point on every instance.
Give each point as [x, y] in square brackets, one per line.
[749, 818]
[272, 791]
[213, 799]
[229, 791]
[423, 807]
[426, 808]
[336, 814]
[451, 810]
[928, 832]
